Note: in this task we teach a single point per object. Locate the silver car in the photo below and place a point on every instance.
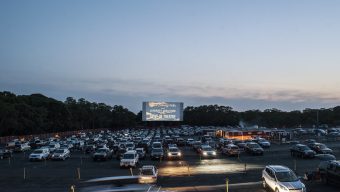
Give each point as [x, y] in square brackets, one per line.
[281, 179]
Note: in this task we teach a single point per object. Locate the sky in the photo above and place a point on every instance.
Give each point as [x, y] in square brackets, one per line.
[245, 54]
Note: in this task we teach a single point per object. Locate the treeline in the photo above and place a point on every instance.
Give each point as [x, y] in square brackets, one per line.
[36, 113]
[222, 116]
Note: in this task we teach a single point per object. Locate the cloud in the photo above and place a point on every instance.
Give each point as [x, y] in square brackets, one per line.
[132, 92]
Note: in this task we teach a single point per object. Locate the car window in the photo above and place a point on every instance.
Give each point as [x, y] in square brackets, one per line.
[286, 176]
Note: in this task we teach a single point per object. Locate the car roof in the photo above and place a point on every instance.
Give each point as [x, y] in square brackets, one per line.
[279, 168]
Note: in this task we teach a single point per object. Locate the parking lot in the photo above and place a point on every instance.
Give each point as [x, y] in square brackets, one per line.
[192, 173]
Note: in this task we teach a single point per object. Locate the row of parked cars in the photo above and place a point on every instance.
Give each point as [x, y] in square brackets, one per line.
[310, 148]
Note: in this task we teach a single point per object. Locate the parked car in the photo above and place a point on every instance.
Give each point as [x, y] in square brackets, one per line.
[157, 153]
[61, 154]
[330, 172]
[120, 153]
[321, 148]
[53, 146]
[263, 143]
[279, 178]
[231, 150]
[20, 147]
[156, 145]
[303, 151]
[39, 154]
[5, 153]
[254, 148]
[90, 148]
[102, 154]
[148, 174]
[141, 153]
[129, 159]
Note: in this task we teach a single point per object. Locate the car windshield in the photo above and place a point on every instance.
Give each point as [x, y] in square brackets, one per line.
[38, 151]
[128, 156]
[157, 150]
[59, 151]
[207, 149]
[253, 145]
[287, 176]
[101, 151]
[129, 145]
[173, 150]
[147, 172]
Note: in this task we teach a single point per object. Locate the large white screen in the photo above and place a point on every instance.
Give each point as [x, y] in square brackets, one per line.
[162, 111]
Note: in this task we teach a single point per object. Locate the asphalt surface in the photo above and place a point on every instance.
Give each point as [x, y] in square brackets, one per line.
[192, 173]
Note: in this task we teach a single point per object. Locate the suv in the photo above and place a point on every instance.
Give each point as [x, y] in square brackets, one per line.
[141, 153]
[330, 172]
[156, 145]
[5, 153]
[102, 154]
[254, 148]
[263, 142]
[174, 153]
[129, 159]
[20, 147]
[231, 150]
[302, 151]
[280, 178]
[39, 154]
[206, 151]
[157, 153]
[61, 154]
[321, 148]
[148, 174]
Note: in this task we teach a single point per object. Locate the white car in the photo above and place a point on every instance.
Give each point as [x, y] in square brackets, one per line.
[39, 155]
[148, 174]
[61, 154]
[53, 146]
[129, 159]
[281, 179]
[174, 153]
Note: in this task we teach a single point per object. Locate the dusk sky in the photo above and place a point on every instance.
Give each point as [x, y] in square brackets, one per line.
[244, 54]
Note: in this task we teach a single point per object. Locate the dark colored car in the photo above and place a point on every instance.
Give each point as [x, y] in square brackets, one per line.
[90, 148]
[102, 154]
[5, 153]
[330, 172]
[320, 148]
[302, 151]
[157, 153]
[120, 153]
[254, 148]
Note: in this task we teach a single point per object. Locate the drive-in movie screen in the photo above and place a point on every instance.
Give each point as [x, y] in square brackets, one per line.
[162, 111]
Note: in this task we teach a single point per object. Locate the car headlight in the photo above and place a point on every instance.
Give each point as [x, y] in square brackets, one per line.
[169, 154]
[204, 153]
[214, 153]
[284, 188]
[179, 154]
